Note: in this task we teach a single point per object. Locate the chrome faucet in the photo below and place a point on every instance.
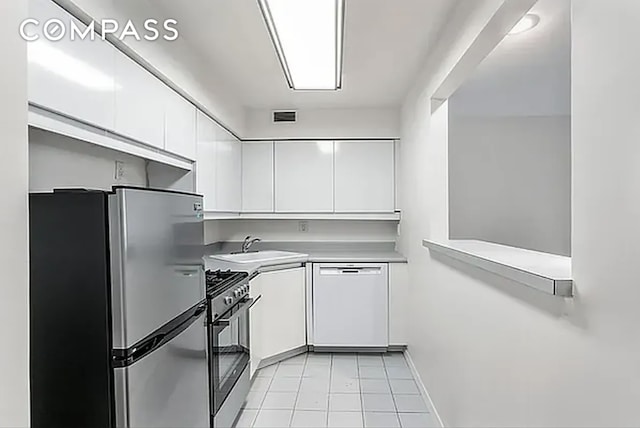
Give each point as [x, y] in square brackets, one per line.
[248, 242]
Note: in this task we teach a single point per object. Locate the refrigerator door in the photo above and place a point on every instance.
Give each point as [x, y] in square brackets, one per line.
[157, 268]
[169, 386]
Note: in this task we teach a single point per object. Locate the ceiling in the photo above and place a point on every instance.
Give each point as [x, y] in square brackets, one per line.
[528, 74]
[385, 44]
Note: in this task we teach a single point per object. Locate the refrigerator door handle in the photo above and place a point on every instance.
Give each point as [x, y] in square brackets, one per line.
[126, 357]
[187, 272]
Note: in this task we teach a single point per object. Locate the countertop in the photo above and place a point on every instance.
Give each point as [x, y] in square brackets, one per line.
[318, 252]
[323, 256]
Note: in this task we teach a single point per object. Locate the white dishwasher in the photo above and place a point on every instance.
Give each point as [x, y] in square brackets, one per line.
[350, 305]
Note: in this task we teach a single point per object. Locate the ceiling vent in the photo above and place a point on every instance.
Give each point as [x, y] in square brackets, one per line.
[284, 116]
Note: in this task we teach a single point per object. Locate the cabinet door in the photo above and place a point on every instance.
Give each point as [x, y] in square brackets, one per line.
[206, 160]
[75, 78]
[140, 103]
[180, 125]
[257, 177]
[228, 172]
[256, 319]
[282, 322]
[398, 301]
[304, 176]
[365, 176]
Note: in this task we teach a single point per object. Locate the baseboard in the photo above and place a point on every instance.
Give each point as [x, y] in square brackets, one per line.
[347, 349]
[274, 359]
[397, 348]
[358, 349]
[422, 387]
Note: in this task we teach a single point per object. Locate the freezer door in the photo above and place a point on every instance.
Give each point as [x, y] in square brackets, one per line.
[156, 260]
[169, 387]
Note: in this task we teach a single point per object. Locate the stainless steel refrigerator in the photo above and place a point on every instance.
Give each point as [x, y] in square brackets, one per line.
[117, 293]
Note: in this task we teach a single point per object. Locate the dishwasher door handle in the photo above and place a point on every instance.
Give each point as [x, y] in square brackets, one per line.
[350, 270]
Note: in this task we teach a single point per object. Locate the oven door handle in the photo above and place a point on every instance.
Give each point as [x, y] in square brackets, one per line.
[225, 322]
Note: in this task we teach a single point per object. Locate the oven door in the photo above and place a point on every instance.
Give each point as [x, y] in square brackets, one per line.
[230, 351]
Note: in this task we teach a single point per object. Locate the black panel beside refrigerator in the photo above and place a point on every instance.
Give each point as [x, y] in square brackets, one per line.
[118, 310]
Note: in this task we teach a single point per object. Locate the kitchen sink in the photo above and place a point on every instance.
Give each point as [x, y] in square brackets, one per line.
[260, 257]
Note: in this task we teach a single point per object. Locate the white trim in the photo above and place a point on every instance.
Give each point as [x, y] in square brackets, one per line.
[221, 215]
[395, 216]
[422, 388]
[309, 302]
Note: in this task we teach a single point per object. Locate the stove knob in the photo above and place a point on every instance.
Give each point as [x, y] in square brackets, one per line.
[237, 293]
[245, 288]
[228, 300]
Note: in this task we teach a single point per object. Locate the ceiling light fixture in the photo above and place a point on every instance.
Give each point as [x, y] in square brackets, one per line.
[308, 39]
[527, 22]
[68, 67]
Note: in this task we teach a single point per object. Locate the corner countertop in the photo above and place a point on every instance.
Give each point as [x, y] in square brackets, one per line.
[318, 252]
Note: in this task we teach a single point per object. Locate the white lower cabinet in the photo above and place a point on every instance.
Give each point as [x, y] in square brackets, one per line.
[278, 319]
[256, 318]
[398, 301]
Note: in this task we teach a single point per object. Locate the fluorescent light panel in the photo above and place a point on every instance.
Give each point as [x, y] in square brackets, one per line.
[308, 36]
[68, 67]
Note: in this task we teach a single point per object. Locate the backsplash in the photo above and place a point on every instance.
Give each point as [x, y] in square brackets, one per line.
[289, 230]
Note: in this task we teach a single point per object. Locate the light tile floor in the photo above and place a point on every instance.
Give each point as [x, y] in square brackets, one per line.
[336, 390]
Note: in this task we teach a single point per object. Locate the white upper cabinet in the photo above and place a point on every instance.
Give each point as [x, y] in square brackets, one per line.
[75, 78]
[228, 172]
[140, 103]
[218, 166]
[206, 160]
[180, 125]
[304, 176]
[257, 177]
[364, 176]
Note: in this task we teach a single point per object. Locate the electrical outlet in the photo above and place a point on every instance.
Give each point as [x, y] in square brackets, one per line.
[303, 226]
[119, 175]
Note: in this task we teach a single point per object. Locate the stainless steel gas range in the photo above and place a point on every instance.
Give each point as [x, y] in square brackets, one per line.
[229, 343]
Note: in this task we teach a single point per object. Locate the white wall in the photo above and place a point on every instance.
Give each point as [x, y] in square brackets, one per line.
[14, 253]
[527, 74]
[287, 230]
[57, 161]
[325, 123]
[510, 180]
[494, 353]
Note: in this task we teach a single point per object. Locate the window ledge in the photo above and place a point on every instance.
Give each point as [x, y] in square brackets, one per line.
[545, 272]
